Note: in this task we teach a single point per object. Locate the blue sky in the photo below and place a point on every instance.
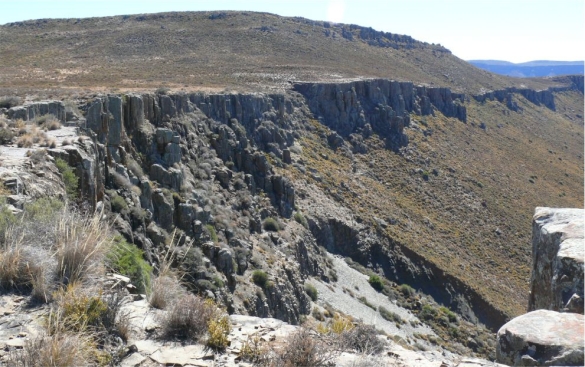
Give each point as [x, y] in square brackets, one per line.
[512, 30]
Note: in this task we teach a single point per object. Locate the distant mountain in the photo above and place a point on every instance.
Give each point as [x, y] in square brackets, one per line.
[529, 69]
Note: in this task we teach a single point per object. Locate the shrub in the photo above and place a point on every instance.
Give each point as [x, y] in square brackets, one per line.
[218, 329]
[311, 291]
[341, 324]
[69, 178]
[300, 218]
[128, 260]
[428, 312]
[376, 282]
[43, 208]
[303, 349]
[118, 204]
[75, 310]
[212, 232]
[390, 316]
[6, 136]
[407, 290]
[164, 288]
[187, 318]
[260, 278]
[362, 338]
[9, 101]
[25, 141]
[270, 224]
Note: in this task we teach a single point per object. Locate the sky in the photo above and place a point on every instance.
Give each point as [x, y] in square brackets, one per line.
[511, 30]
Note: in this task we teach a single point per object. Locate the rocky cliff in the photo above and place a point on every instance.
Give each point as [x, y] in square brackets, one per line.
[551, 333]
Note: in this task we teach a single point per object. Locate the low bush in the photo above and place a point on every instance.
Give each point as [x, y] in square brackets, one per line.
[75, 310]
[212, 232]
[363, 339]
[407, 290]
[390, 316]
[63, 350]
[9, 101]
[311, 291]
[428, 312]
[302, 349]
[260, 278]
[6, 136]
[376, 282]
[271, 224]
[118, 204]
[128, 260]
[218, 330]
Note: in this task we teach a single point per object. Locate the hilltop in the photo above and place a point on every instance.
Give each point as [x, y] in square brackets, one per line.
[540, 68]
[214, 51]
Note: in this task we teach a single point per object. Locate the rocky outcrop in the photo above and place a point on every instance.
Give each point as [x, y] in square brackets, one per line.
[557, 260]
[542, 338]
[545, 337]
[379, 105]
[31, 111]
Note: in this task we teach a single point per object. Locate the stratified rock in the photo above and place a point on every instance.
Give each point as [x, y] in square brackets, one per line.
[542, 338]
[557, 259]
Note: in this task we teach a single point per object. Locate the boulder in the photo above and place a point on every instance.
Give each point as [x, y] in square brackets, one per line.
[557, 259]
[542, 338]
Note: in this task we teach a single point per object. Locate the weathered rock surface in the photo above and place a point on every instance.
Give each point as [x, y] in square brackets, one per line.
[32, 110]
[557, 260]
[542, 338]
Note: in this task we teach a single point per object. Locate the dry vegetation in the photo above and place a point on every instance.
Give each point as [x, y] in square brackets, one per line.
[471, 214]
[213, 51]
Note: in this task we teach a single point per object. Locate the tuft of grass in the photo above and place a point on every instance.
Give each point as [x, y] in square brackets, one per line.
[9, 101]
[118, 204]
[163, 290]
[218, 329]
[212, 232]
[390, 316]
[63, 350]
[406, 290]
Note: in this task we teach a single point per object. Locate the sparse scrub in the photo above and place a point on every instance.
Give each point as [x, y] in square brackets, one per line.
[63, 350]
[390, 316]
[212, 233]
[407, 290]
[74, 310]
[301, 349]
[118, 204]
[6, 136]
[362, 338]
[218, 329]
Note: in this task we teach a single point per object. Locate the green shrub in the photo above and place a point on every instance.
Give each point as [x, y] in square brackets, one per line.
[6, 136]
[69, 178]
[43, 208]
[376, 282]
[390, 316]
[406, 290]
[311, 291]
[270, 224]
[128, 260]
[428, 313]
[9, 101]
[300, 218]
[218, 329]
[260, 278]
[365, 301]
[212, 232]
[118, 203]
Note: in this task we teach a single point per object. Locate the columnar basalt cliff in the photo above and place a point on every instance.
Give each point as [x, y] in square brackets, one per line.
[551, 333]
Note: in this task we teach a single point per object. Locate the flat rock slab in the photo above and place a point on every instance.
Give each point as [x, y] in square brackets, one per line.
[542, 338]
[557, 259]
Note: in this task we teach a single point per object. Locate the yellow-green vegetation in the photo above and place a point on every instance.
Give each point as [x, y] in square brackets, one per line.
[311, 291]
[270, 224]
[212, 232]
[69, 178]
[218, 329]
[74, 310]
[376, 282]
[260, 278]
[128, 260]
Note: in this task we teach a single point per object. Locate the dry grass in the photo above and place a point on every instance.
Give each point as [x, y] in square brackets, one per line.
[163, 290]
[81, 247]
[63, 350]
[187, 317]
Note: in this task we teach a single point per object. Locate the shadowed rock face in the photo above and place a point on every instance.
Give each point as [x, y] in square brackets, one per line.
[542, 338]
[557, 260]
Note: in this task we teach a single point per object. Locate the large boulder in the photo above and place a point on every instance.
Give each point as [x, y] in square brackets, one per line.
[557, 260]
[542, 338]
